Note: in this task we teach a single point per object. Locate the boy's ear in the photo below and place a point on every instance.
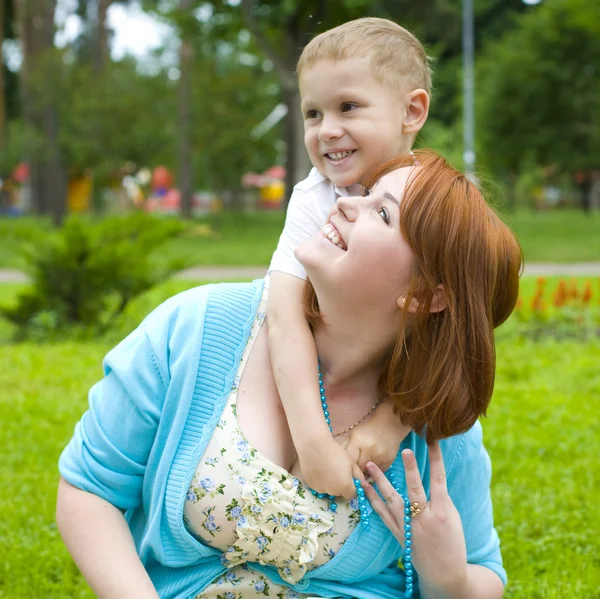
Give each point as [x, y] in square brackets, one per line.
[416, 111]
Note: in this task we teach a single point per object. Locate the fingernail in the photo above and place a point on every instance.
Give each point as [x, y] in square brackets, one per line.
[370, 465]
[407, 454]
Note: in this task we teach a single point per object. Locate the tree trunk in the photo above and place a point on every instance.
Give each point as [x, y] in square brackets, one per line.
[297, 161]
[38, 89]
[184, 92]
[2, 83]
[102, 49]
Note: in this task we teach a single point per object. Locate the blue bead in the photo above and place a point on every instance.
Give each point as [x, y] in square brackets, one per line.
[407, 527]
[408, 543]
[323, 399]
[407, 534]
[314, 492]
[407, 519]
[408, 551]
[357, 483]
[325, 405]
[321, 495]
[408, 571]
[326, 413]
[408, 593]
[409, 580]
[407, 511]
[327, 420]
[333, 506]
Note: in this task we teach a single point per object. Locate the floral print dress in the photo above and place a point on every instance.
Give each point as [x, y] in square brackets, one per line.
[255, 511]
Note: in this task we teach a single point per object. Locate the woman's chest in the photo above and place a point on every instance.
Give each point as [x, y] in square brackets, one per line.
[260, 415]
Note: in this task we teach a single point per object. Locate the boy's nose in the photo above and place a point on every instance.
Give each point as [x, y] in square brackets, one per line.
[330, 129]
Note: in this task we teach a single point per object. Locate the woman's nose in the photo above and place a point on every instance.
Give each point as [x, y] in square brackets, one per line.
[349, 206]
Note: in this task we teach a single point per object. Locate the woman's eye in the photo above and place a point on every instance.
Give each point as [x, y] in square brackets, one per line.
[348, 106]
[385, 215]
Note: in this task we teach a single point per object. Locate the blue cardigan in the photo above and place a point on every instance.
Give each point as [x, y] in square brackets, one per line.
[152, 415]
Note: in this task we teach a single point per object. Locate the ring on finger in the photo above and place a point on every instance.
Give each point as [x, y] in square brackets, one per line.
[416, 509]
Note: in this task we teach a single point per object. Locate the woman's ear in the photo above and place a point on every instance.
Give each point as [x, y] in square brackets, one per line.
[438, 302]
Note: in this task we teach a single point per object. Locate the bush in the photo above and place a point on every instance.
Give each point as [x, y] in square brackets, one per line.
[85, 275]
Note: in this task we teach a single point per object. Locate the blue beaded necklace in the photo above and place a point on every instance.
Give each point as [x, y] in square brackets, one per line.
[362, 503]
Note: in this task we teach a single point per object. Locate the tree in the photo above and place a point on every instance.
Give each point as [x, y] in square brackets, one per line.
[187, 24]
[40, 72]
[540, 90]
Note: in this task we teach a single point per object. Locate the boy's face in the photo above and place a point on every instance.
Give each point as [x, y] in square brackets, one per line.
[352, 123]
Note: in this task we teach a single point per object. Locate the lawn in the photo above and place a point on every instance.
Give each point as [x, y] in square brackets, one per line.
[542, 434]
[559, 236]
[249, 239]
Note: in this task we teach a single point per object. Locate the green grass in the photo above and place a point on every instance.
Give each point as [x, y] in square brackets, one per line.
[560, 236]
[249, 239]
[542, 435]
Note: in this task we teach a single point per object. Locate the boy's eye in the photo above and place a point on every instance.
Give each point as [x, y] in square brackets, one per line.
[348, 106]
[311, 114]
[385, 215]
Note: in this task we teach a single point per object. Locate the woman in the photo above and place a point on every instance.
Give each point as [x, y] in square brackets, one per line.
[182, 480]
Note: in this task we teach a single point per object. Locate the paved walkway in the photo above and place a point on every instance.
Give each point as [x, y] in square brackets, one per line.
[236, 273]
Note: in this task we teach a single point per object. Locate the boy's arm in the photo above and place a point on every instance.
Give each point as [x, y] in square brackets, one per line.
[326, 466]
[378, 439]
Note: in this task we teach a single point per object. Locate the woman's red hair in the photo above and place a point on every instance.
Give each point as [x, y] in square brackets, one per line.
[440, 373]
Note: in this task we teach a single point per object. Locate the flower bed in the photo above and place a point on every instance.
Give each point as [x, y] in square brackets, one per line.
[569, 309]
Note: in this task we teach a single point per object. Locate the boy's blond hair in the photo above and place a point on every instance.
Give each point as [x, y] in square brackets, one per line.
[398, 58]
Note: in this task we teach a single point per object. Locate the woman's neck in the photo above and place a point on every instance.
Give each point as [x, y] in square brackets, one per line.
[353, 349]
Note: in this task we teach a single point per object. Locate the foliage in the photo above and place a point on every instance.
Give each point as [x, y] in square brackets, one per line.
[539, 433]
[540, 89]
[86, 274]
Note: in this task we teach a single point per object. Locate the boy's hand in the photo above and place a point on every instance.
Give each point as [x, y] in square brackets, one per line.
[378, 439]
[328, 468]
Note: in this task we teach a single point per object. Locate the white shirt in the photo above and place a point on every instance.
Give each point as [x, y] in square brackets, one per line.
[307, 212]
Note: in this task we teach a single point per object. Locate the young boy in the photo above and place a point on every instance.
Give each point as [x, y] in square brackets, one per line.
[364, 90]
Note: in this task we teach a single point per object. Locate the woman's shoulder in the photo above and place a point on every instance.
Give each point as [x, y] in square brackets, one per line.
[184, 312]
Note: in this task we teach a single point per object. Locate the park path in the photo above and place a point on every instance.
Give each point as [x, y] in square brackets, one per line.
[234, 273]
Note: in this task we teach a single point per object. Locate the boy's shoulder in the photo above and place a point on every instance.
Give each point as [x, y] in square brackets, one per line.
[316, 183]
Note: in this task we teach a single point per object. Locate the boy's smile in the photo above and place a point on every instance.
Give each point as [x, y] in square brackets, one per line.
[352, 123]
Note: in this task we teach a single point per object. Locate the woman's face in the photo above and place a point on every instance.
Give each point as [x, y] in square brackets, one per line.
[360, 252]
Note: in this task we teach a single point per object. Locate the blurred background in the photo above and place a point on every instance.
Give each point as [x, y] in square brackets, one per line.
[147, 146]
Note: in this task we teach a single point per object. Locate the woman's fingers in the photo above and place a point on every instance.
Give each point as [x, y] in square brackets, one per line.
[391, 508]
[414, 486]
[437, 474]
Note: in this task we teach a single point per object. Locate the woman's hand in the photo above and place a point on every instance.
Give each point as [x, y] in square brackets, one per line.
[439, 552]
[378, 439]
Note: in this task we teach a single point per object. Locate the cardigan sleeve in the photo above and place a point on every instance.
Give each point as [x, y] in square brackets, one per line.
[111, 443]
[469, 477]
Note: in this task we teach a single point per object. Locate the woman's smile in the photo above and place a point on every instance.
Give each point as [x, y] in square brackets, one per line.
[332, 234]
